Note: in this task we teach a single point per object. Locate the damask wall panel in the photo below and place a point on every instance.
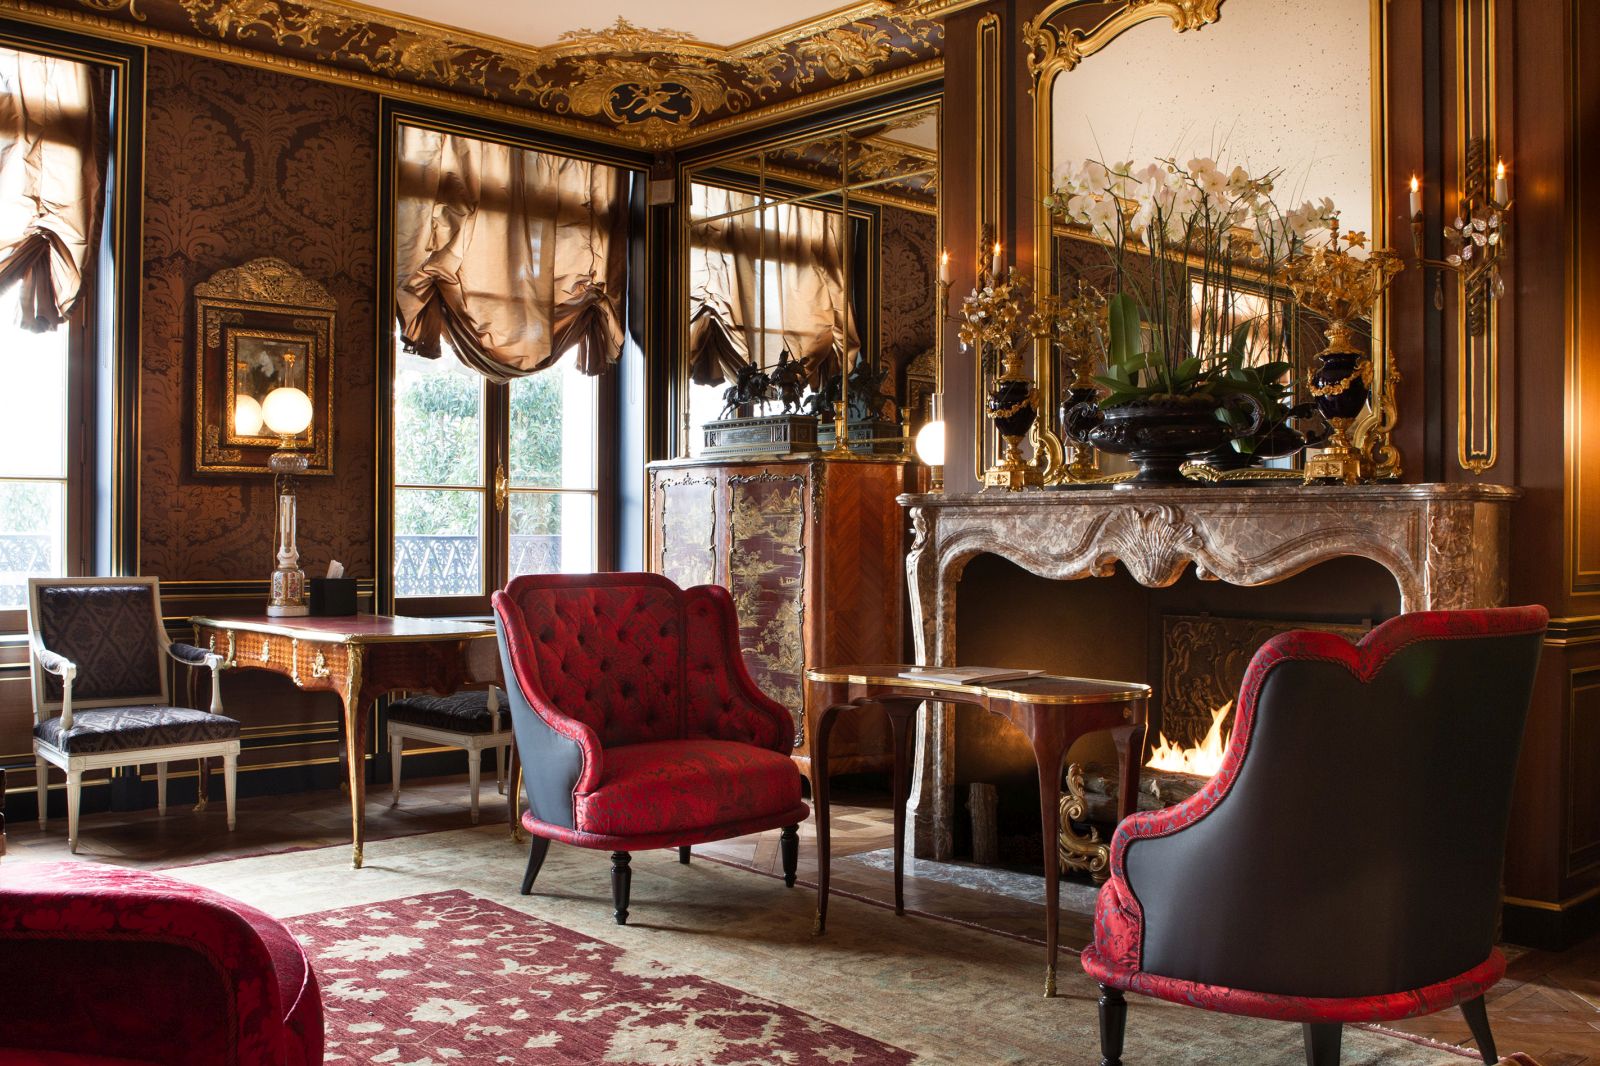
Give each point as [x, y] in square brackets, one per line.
[907, 280]
[243, 163]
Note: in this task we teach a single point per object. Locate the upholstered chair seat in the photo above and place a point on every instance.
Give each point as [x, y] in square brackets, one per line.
[123, 728]
[637, 723]
[463, 712]
[98, 655]
[473, 719]
[1344, 863]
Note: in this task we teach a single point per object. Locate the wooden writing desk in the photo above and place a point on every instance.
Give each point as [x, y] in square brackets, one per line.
[358, 657]
[1053, 712]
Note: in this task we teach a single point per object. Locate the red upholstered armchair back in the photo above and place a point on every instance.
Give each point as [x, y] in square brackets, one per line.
[608, 653]
[635, 658]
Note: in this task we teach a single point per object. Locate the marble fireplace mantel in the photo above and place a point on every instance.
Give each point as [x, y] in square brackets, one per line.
[1446, 546]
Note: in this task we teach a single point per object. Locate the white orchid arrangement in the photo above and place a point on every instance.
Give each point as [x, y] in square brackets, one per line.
[1180, 240]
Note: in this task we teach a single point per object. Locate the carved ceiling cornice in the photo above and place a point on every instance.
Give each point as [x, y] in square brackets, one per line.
[648, 88]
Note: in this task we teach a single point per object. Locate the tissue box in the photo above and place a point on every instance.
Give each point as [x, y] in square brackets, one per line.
[333, 595]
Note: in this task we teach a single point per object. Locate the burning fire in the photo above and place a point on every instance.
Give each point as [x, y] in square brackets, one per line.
[1202, 761]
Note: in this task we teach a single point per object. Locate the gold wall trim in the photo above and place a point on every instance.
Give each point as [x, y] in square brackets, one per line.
[1545, 905]
[990, 112]
[1580, 581]
[1477, 352]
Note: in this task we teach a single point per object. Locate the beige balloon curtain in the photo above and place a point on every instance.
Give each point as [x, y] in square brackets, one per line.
[53, 134]
[513, 256]
[806, 305]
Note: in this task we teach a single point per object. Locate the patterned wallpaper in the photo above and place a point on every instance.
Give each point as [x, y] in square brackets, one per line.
[243, 163]
[908, 273]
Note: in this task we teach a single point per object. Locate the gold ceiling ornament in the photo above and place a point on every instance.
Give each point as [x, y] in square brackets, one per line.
[1054, 47]
[652, 86]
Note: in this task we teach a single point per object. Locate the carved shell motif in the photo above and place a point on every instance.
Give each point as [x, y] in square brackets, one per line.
[1154, 543]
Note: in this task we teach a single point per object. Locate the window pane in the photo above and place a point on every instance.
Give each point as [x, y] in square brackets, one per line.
[553, 429]
[438, 422]
[552, 533]
[33, 536]
[437, 543]
[33, 378]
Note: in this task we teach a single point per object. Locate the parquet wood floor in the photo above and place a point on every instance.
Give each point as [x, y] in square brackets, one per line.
[1548, 1006]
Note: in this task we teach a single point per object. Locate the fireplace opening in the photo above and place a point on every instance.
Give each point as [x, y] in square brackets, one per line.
[1191, 642]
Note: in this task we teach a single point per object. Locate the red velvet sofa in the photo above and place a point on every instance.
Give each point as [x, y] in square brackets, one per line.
[105, 965]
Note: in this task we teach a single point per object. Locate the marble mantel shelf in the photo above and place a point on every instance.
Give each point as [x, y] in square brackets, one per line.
[1447, 546]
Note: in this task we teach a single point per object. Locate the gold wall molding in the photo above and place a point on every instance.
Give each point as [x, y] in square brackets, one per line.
[1477, 318]
[649, 88]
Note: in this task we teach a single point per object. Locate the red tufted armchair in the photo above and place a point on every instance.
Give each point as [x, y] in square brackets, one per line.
[636, 721]
[107, 966]
[1344, 865]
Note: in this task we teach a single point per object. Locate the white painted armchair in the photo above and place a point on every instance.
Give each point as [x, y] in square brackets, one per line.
[100, 690]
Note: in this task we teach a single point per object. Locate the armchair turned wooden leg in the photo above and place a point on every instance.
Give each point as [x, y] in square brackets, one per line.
[1322, 1043]
[74, 794]
[538, 848]
[1478, 1021]
[1113, 1022]
[41, 786]
[230, 786]
[161, 789]
[789, 849]
[474, 778]
[683, 856]
[397, 747]
[621, 884]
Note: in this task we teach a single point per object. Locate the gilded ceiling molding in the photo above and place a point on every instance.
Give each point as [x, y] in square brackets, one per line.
[1055, 45]
[649, 88]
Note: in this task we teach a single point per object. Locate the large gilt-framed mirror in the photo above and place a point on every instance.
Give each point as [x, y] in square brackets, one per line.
[818, 247]
[1271, 85]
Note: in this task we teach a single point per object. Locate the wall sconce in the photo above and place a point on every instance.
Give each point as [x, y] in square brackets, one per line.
[287, 412]
[1474, 244]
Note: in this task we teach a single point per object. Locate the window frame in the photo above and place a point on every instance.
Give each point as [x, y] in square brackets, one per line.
[495, 534]
[102, 342]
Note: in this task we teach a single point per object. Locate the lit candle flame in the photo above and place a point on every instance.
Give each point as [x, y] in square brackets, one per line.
[1415, 184]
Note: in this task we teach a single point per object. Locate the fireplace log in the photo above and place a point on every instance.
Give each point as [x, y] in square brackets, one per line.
[1157, 789]
[983, 801]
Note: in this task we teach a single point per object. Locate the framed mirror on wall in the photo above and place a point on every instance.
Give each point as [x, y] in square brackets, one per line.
[803, 256]
[1285, 91]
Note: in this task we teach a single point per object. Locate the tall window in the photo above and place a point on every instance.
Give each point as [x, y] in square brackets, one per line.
[34, 464]
[52, 159]
[510, 281]
[492, 481]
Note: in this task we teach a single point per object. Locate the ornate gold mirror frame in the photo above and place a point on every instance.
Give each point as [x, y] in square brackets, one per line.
[257, 327]
[1057, 40]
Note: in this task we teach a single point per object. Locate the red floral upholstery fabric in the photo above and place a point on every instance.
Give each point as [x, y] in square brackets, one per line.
[1116, 956]
[722, 701]
[674, 785]
[180, 976]
[109, 632]
[609, 656]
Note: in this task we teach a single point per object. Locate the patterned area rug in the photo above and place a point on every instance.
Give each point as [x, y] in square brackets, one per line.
[448, 977]
[713, 958]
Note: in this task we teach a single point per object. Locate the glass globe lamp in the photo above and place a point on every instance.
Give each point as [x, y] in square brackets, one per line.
[287, 412]
[929, 442]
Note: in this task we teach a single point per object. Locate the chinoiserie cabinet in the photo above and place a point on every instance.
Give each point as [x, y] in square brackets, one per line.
[812, 550]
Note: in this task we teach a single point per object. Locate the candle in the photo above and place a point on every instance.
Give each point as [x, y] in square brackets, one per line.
[1500, 196]
[1416, 197]
[944, 268]
[994, 260]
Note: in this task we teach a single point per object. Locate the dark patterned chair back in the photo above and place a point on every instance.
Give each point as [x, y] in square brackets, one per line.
[1356, 849]
[608, 649]
[110, 629]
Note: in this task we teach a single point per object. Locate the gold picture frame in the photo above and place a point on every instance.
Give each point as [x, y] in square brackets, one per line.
[260, 326]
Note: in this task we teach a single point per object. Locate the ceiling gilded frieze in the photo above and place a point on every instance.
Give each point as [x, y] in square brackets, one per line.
[649, 87]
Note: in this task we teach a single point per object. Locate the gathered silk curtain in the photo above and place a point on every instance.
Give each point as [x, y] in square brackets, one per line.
[513, 256]
[53, 135]
[807, 305]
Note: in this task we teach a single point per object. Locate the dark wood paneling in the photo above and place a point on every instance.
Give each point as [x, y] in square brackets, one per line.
[1583, 772]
